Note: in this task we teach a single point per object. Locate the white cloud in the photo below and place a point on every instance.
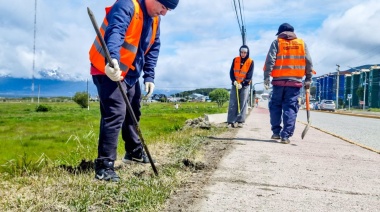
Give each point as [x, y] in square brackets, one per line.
[199, 38]
[348, 39]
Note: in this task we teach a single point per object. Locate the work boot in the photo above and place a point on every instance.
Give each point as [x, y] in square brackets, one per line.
[104, 170]
[230, 125]
[275, 136]
[139, 157]
[285, 140]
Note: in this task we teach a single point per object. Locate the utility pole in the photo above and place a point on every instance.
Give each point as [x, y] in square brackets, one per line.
[38, 95]
[34, 47]
[88, 97]
[243, 34]
[254, 90]
[337, 87]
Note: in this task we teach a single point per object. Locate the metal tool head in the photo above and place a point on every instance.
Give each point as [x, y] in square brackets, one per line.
[306, 129]
[307, 92]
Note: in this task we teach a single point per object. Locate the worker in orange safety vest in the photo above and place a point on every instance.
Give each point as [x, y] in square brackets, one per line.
[131, 30]
[288, 61]
[241, 72]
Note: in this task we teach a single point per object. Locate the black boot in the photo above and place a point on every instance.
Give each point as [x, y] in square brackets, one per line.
[104, 170]
[139, 157]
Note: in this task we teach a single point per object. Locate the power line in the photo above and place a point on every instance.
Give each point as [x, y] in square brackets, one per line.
[239, 16]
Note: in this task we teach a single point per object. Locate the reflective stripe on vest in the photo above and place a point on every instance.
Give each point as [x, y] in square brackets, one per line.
[130, 45]
[291, 59]
[241, 73]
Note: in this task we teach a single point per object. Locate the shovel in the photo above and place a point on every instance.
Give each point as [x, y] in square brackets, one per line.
[307, 113]
[129, 107]
[237, 97]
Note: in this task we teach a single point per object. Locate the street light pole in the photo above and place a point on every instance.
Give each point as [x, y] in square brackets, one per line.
[365, 86]
[322, 87]
[319, 89]
[253, 89]
[337, 87]
[256, 84]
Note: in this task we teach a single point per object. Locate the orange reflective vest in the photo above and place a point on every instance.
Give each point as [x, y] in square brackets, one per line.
[291, 59]
[130, 46]
[241, 73]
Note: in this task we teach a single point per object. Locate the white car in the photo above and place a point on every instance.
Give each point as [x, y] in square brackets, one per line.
[327, 105]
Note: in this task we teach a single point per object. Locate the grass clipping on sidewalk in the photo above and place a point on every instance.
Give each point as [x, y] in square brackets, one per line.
[46, 185]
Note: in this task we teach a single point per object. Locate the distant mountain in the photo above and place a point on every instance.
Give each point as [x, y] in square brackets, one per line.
[20, 87]
[57, 74]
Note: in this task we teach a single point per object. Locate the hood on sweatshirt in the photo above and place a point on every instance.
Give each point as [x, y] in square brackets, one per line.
[287, 35]
[244, 47]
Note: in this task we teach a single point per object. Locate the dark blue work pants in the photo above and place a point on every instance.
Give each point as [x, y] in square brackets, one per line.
[284, 105]
[115, 116]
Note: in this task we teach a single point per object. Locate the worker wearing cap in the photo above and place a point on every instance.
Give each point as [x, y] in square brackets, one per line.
[131, 30]
[241, 72]
[288, 61]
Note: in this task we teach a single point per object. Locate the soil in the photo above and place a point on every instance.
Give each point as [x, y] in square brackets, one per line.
[192, 189]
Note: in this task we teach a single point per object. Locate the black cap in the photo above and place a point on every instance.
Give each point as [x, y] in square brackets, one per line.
[170, 4]
[285, 27]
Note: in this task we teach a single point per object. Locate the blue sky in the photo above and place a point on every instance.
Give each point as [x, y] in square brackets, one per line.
[199, 38]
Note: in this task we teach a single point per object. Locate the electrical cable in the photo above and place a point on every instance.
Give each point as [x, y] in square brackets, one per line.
[239, 11]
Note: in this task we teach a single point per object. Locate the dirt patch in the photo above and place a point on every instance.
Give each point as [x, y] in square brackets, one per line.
[192, 189]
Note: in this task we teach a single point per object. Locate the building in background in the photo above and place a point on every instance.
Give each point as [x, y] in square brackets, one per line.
[361, 84]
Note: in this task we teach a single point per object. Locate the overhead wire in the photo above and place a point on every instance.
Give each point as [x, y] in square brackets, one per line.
[236, 12]
[239, 11]
[243, 12]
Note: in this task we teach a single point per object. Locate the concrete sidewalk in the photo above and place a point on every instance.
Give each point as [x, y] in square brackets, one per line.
[319, 173]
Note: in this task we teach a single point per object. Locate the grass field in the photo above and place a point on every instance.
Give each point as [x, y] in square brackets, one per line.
[54, 134]
[35, 144]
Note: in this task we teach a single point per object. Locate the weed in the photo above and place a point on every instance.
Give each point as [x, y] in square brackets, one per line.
[43, 108]
[23, 166]
[61, 178]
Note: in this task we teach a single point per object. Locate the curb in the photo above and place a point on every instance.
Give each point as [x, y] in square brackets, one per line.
[350, 114]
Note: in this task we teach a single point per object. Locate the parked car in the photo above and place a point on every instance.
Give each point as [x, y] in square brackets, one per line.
[327, 105]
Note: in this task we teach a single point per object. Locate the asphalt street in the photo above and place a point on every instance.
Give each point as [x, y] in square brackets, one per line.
[361, 130]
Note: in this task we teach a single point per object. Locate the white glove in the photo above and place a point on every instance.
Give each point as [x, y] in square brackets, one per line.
[149, 87]
[238, 85]
[114, 73]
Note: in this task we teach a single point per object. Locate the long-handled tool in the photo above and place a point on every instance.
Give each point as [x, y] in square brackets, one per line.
[307, 113]
[237, 97]
[129, 107]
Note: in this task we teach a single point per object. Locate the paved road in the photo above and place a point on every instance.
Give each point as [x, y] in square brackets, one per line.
[319, 173]
[361, 130]
[365, 131]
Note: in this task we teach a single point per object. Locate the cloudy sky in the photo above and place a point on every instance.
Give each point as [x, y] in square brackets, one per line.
[199, 38]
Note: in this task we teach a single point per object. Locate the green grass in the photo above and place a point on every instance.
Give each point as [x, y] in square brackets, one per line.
[22, 130]
[41, 152]
[374, 109]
